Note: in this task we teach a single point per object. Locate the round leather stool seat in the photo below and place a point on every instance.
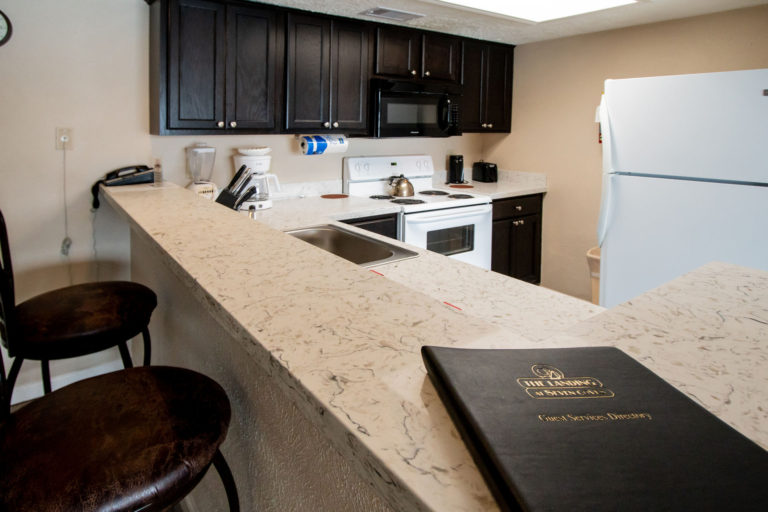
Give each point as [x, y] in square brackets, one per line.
[82, 319]
[135, 439]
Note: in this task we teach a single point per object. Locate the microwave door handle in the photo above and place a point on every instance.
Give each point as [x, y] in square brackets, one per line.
[419, 218]
[445, 113]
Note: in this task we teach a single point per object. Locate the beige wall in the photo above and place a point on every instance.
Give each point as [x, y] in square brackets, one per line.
[557, 85]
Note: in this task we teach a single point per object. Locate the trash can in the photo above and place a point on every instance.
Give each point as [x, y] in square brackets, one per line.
[593, 260]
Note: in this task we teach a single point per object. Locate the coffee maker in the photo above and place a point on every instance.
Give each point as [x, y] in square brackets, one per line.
[263, 183]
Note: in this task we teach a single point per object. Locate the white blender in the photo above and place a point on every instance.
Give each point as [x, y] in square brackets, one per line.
[257, 162]
[200, 158]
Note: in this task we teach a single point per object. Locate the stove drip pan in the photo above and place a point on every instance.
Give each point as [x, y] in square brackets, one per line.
[408, 201]
[381, 197]
[460, 196]
[433, 193]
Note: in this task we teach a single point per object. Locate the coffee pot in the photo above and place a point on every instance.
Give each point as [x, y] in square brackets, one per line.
[260, 199]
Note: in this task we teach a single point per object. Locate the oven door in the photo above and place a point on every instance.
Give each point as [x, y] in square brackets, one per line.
[461, 233]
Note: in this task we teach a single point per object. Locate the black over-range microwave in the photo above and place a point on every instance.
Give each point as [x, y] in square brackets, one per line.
[414, 109]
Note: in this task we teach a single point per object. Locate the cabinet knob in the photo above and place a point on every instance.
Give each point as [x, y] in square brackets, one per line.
[220, 124]
[515, 222]
[326, 124]
[233, 124]
[335, 124]
[483, 125]
[413, 72]
[426, 73]
[519, 208]
[490, 125]
[522, 222]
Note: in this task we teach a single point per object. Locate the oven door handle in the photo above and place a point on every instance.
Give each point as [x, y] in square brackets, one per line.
[450, 213]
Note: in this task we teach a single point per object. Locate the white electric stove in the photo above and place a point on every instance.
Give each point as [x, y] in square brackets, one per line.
[444, 219]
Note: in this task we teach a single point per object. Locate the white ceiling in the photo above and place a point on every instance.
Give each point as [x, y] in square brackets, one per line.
[454, 20]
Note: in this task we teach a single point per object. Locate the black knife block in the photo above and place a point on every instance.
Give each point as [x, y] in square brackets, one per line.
[227, 199]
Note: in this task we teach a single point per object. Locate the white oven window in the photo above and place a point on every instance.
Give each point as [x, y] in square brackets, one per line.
[450, 241]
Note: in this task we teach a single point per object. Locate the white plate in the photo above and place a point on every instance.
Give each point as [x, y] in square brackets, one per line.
[256, 151]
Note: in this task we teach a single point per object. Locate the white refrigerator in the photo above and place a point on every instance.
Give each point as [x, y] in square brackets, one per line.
[685, 177]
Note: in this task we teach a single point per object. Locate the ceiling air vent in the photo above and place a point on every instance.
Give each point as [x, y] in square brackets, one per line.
[392, 14]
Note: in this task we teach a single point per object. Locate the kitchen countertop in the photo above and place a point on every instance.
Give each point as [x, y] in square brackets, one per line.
[343, 342]
[510, 184]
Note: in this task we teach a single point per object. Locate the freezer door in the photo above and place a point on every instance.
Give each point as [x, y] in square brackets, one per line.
[708, 125]
[660, 229]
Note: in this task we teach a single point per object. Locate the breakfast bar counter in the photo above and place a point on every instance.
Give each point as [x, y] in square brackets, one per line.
[332, 408]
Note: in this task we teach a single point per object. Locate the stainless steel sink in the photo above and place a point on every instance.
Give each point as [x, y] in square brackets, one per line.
[355, 247]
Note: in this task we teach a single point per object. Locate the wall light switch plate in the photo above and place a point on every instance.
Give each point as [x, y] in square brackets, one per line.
[64, 138]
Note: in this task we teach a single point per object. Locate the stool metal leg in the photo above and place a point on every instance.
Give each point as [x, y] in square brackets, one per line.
[229, 482]
[46, 369]
[125, 355]
[147, 346]
[10, 381]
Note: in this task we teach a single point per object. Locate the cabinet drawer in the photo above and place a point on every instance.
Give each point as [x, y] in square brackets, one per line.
[516, 206]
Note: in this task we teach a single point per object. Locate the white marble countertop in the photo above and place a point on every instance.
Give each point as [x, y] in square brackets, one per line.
[343, 341]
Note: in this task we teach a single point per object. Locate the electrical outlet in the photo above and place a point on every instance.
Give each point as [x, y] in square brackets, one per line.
[64, 138]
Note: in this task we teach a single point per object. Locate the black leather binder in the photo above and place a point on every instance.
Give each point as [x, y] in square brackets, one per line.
[591, 429]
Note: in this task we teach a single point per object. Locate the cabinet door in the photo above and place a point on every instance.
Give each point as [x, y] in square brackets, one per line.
[252, 56]
[498, 90]
[525, 248]
[350, 49]
[382, 224]
[196, 57]
[398, 52]
[474, 72]
[307, 94]
[441, 59]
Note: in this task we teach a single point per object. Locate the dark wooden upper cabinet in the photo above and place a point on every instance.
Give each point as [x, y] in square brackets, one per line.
[308, 72]
[441, 57]
[398, 52]
[487, 84]
[405, 53]
[196, 64]
[224, 67]
[350, 63]
[252, 64]
[327, 70]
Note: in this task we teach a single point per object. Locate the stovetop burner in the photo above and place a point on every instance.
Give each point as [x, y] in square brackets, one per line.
[408, 201]
[434, 192]
[460, 196]
[379, 196]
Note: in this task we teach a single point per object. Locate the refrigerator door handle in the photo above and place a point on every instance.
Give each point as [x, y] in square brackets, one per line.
[605, 199]
[605, 208]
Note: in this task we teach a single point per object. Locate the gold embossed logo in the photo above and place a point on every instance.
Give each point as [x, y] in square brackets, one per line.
[551, 383]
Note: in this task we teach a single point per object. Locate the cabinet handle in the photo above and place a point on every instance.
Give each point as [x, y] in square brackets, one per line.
[335, 124]
[413, 72]
[426, 73]
[233, 124]
[220, 124]
[519, 208]
[326, 124]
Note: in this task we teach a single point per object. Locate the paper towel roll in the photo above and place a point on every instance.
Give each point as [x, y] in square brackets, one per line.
[323, 144]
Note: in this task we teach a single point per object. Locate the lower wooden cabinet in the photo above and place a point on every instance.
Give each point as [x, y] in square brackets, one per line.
[382, 224]
[516, 245]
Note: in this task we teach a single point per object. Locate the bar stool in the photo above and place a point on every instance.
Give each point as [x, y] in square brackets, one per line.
[69, 322]
[135, 439]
